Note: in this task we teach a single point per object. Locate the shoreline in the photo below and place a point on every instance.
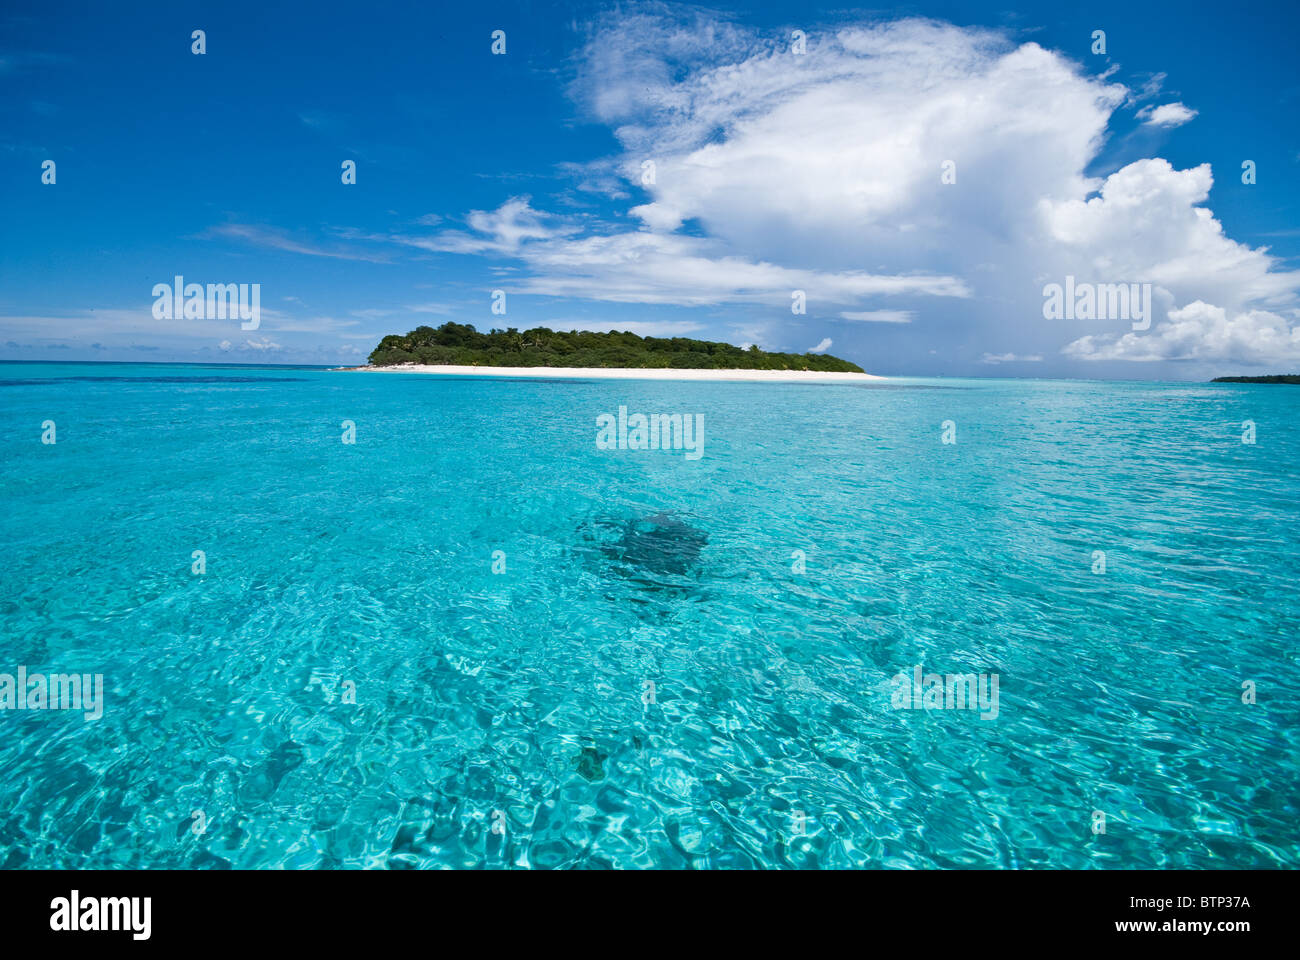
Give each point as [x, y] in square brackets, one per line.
[625, 373]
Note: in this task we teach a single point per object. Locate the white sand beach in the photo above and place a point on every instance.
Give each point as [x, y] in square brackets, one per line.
[626, 373]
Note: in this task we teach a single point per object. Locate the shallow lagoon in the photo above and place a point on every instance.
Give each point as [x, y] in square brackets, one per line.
[681, 662]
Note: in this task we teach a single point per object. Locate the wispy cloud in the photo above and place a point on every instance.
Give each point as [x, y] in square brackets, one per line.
[1011, 358]
[280, 240]
[878, 316]
[501, 231]
[644, 266]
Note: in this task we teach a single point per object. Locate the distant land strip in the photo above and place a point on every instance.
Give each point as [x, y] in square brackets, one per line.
[458, 344]
[1271, 378]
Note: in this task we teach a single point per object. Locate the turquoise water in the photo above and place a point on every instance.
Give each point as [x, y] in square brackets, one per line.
[501, 719]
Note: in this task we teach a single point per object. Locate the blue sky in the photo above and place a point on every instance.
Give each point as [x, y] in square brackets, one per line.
[774, 171]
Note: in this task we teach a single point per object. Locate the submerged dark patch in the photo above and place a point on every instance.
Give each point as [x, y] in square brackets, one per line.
[660, 545]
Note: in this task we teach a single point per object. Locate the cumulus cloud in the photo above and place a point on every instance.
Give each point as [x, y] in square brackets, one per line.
[1146, 224]
[1166, 115]
[825, 173]
[831, 160]
[835, 156]
[821, 347]
[1200, 331]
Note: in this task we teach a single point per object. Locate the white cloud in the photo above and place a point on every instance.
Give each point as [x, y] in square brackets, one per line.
[830, 161]
[1200, 331]
[119, 326]
[646, 267]
[802, 173]
[285, 324]
[1010, 358]
[1146, 225]
[119, 333]
[260, 344]
[658, 216]
[650, 267]
[1151, 87]
[280, 240]
[822, 347]
[1167, 115]
[597, 176]
[878, 316]
[822, 173]
[500, 231]
[822, 159]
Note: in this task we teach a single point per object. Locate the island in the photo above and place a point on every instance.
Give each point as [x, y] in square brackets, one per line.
[458, 348]
[1271, 378]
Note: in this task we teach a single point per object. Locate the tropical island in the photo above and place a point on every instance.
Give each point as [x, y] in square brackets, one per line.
[459, 345]
[1271, 378]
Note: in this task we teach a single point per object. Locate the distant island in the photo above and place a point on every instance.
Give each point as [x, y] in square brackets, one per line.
[460, 345]
[1271, 378]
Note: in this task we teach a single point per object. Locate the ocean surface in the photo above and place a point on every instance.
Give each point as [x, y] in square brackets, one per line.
[675, 662]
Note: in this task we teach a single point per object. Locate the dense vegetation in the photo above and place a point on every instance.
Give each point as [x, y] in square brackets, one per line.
[1271, 378]
[459, 343]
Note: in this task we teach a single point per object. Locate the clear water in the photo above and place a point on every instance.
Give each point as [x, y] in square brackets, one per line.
[516, 698]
